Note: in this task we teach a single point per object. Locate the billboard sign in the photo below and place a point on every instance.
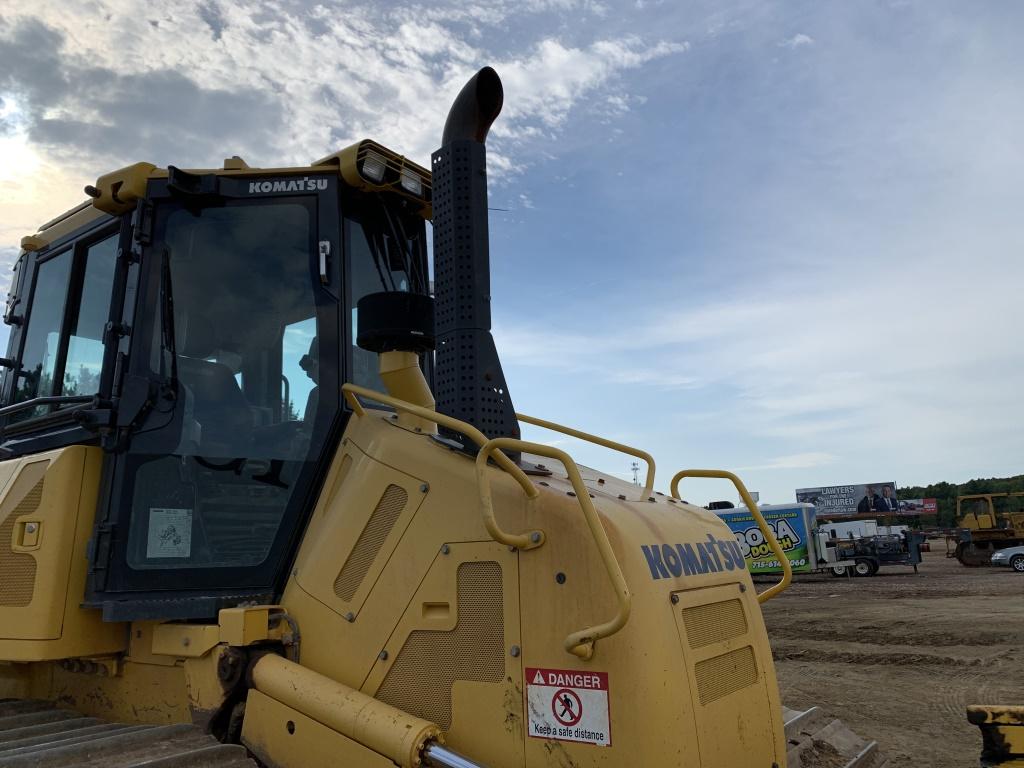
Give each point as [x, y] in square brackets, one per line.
[867, 499]
[919, 507]
[791, 525]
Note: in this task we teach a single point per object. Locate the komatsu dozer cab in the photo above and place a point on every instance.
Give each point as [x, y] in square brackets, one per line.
[235, 526]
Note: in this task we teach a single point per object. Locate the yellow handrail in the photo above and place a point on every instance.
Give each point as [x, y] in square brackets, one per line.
[648, 485]
[353, 392]
[579, 643]
[766, 531]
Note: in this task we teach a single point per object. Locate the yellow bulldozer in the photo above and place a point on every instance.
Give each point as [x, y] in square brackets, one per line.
[264, 500]
[986, 523]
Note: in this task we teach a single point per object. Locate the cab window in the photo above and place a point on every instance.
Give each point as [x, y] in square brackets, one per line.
[383, 256]
[62, 349]
[85, 332]
[299, 368]
[35, 377]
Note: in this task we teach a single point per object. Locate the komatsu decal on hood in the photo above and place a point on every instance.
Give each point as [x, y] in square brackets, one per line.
[712, 556]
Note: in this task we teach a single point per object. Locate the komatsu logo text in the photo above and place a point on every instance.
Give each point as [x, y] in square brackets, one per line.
[305, 184]
[711, 556]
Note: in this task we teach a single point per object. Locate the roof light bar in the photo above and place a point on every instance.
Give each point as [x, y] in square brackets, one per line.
[372, 167]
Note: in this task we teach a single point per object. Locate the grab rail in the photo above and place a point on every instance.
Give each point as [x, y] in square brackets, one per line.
[580, 643]
[604, 442]
[766, 531]
[352, 393]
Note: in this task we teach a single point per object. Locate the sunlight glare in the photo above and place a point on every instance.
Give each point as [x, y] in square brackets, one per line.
[17, 159]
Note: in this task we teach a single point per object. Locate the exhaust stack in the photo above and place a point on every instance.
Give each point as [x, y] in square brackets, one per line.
[470, 384]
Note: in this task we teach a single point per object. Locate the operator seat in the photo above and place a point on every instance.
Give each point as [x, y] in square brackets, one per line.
[219, 406]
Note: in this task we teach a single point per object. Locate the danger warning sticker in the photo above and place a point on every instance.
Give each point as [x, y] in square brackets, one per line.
[568, 705]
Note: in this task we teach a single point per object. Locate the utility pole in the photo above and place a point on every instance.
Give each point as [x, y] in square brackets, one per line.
[635, 466]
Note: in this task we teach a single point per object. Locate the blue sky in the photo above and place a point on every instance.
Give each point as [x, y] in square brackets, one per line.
[782, 238]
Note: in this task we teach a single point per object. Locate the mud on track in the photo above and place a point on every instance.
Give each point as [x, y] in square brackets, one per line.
[899, 656]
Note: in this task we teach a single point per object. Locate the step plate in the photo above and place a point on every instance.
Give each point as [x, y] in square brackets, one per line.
[38, 734]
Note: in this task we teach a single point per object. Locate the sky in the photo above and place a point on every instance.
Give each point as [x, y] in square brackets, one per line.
[780, 237]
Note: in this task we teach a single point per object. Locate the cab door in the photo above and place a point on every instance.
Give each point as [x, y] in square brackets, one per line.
[234, 368]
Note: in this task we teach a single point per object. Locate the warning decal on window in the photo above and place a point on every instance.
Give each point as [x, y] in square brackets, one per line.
[170, 532]
[568, 705]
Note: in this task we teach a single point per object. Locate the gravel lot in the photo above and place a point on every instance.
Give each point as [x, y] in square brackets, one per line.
[900, 655]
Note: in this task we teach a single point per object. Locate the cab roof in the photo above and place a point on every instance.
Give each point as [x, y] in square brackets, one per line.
[116, 192]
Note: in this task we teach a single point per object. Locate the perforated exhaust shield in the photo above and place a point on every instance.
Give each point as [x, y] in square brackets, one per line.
[470, 384]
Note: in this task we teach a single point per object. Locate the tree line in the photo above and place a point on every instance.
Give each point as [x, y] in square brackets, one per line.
[945, 494]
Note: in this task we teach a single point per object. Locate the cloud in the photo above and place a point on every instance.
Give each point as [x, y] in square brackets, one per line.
[794, 461]
[546, 84]
[499, 12]
[210, 13]
[852, 272]
[87, 88]
[796, 41]
[7, 256]
[286, 84]
[659, 378]
[860, 351]
[76, 108]
[11, 118]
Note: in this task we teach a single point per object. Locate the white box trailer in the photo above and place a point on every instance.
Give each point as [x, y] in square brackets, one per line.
[855, 547]
[852, 529]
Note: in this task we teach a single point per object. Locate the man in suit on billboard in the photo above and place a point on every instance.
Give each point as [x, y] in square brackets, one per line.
[888, 501]
[870, 503]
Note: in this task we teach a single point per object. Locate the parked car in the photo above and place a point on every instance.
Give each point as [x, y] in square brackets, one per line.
[1011, 556]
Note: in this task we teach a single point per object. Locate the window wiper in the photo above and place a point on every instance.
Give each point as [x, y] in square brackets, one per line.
[402, 243]
[388, 241]
[167, 339]
[375, 247]
[418, 279]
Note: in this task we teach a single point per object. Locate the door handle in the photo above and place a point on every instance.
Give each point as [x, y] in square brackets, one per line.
[27, 535]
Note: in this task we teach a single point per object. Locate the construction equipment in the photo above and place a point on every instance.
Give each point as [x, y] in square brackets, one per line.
[985, 522]
[1002, 734]
[231, 513]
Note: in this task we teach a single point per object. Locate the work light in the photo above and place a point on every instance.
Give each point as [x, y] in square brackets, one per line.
[411, 182]
[373, 168]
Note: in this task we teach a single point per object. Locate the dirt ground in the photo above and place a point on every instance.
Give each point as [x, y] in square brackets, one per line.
[900, 655]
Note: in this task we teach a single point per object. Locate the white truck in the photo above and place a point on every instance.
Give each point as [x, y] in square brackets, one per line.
[856, 547]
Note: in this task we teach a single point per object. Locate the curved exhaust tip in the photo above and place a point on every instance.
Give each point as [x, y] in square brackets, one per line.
[475, 108]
